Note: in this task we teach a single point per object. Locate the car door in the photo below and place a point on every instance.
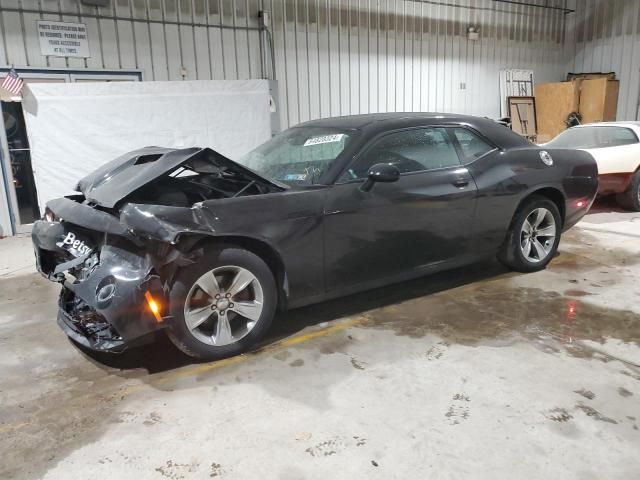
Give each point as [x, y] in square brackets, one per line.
[420, 220]
[618, 151]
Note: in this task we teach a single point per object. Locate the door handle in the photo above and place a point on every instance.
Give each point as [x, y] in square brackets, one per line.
[460, 182]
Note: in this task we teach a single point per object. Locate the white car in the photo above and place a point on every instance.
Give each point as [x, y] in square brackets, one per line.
[616, 148]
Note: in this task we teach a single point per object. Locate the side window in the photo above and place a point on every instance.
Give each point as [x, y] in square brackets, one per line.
[616, 136]
[472, 146]
[410, 150]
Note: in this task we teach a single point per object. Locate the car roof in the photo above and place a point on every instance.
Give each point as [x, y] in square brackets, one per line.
[375, 123]
[360, 121]
[610, 124]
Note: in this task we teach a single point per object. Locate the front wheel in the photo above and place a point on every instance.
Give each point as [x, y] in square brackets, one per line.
[222, 304]
[533, 237]
[631, 198]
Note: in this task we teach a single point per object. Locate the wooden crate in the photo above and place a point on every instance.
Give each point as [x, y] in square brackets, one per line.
[554, 103]
[595, 97]
[598, 100]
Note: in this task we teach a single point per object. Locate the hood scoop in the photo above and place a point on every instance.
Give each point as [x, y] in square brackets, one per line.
[147, 158]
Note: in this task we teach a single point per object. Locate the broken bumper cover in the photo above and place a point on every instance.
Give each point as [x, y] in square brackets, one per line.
[101, 306]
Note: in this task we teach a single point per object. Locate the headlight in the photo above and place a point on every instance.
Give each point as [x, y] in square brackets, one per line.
[49, 216]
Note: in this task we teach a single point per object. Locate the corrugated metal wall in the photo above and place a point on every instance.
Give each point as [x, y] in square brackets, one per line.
[211, 39]
[358, 56]
[333, 57]
[606, 38]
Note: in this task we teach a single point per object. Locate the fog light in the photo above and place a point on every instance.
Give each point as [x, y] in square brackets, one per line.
[580, 203]
[105, 291]
[154, 306]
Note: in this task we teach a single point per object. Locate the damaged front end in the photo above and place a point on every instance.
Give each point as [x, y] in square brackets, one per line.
[104, 279]
[113, 246]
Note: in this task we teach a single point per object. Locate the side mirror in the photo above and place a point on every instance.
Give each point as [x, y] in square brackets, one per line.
[380, 172]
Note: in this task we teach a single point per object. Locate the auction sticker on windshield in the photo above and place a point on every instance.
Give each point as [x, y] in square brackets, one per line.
[336, 137]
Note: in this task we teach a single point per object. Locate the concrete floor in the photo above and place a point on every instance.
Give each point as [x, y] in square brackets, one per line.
[474, 373]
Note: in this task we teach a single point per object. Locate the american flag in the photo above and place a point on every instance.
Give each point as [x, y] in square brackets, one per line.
[12, 82]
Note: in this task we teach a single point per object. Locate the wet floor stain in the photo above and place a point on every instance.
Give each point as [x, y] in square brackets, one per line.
[357, 364]
[623, 392]
[458, 409]
[576, 293]
[297, 363]
[283, 356]
[152, 419]
[177, 471]
[335, 445]
[558, 414]
[588, 394]
[595, 414]
[360, 442]
[216, 470]
[495, 311]
[436, 352]
[326, 448]
[631, 374]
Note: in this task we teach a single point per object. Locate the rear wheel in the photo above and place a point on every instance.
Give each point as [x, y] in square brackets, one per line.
[223, 304]
[631, 198]
[534, 236]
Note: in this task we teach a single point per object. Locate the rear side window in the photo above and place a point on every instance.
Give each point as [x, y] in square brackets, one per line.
[616, 137]
[412, 150]
[594, 137]
[472, 145]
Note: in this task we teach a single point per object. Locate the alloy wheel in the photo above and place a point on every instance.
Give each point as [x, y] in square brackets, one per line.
[538, 235]
[223, 305]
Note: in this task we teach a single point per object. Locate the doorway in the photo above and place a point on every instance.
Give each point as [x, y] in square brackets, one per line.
[21, 181]
[14, 142]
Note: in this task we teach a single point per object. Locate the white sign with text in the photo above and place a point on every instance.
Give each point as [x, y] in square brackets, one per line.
[63, 39]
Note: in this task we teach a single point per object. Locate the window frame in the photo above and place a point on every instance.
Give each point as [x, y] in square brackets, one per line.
[463, 158]
[371, 143]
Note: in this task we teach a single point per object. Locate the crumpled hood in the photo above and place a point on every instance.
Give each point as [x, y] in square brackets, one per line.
[119, 178]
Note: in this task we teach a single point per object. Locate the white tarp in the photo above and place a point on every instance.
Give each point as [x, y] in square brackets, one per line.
[75, 127]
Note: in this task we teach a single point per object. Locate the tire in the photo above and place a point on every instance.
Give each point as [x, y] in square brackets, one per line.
[631, 198]
[209, 339]
[512, 251]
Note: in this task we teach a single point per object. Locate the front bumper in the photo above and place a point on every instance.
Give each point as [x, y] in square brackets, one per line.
[102, 307]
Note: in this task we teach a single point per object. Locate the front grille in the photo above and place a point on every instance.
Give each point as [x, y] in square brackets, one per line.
[86, 319]
[49, 260]
[84, 270]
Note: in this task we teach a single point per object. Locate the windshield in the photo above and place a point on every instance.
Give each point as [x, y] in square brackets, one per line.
[298, 156]
[594, 137]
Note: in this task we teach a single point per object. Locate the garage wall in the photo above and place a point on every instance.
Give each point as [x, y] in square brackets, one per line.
[605, 36]
[213, 39]
[333, 57]
[359, 56]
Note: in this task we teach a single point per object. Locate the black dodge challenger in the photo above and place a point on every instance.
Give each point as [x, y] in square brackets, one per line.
[208, 249]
